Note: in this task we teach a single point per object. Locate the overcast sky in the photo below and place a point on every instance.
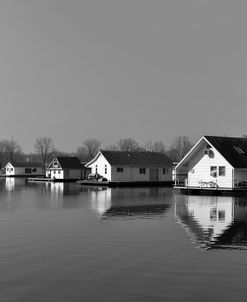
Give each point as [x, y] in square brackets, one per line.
[110, 69]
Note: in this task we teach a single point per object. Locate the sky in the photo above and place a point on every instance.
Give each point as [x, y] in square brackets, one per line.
[110, 69]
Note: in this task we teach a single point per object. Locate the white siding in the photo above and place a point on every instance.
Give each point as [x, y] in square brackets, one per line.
[128, 174]
[12, 171]
[199, 169]
[63, 174]
[102, 166]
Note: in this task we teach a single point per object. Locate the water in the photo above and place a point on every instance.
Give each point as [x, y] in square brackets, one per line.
[65, 242]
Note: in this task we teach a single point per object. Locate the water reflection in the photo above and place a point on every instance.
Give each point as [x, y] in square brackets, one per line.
[57, 195]
[214, 221]
[131, 202]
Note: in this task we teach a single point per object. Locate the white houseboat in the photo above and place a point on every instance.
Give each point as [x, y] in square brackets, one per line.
[66, 168]
[131, 167]
[18, 169]
[214, 163]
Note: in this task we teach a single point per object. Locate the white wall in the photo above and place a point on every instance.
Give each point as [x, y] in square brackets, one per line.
[101, 163]
[61, 174]
[12, 171]
[55, 173]
[199, 169]
[128, 174]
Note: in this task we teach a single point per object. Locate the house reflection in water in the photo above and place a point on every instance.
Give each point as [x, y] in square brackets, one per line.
[213, 221]
[10, 183]
[63, 195]
[131, 202]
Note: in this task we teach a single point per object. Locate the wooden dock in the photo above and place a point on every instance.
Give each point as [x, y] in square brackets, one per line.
[212, 191]
[46, 179]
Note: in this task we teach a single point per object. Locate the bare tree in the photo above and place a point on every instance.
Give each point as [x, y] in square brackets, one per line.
[111, 148]
[157, 146]
[10, 150]
[44, 147]
[81, 153]
[89, 149]
[128, 144]
[180, 147]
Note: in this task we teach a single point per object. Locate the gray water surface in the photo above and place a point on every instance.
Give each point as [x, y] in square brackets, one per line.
[65, 242]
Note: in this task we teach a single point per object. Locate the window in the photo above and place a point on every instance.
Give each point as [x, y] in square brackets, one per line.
[119, 170]
[213, 171]
[34, 170]
[105, 169]
[164, 170]
[96, 169]
[222, 171]
[28, 171]
[142, 170]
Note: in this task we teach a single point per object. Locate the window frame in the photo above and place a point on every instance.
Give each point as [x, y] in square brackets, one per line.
[213, 169]
[220, 172]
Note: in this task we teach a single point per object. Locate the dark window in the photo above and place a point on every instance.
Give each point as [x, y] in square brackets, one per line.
[34, 170]
[142, 170]
[213, 171]
[164, 170]
[28, 170]
[119, 170]
[105, 169]
[222, 171]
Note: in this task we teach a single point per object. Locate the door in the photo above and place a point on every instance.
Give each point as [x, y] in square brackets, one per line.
[154, 174]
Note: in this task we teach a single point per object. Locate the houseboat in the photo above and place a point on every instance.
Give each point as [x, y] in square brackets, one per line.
[66, 168]
[116, 168]
[215, 165]
[23, 169]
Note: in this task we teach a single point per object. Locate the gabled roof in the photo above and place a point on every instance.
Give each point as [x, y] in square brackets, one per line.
[233, 149]
[136, 158]
[24, 164]
[69, 162]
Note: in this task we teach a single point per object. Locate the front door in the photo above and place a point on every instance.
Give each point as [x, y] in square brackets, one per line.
[154, 174]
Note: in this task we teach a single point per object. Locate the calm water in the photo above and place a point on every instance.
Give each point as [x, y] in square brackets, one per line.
[64, 242]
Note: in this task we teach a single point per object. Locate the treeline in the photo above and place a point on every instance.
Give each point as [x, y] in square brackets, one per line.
[44, 149]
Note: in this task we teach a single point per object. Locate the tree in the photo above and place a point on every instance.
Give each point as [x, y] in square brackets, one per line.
[180, 147]
[92, 147]
[81, 153]
[10, 150]
[157, 146]
[89, 149]
[128, 144]
[44, 147]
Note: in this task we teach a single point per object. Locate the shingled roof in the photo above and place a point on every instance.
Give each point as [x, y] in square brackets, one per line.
[68, 162]
[136, 158]
[27, 164]
[233, 149]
